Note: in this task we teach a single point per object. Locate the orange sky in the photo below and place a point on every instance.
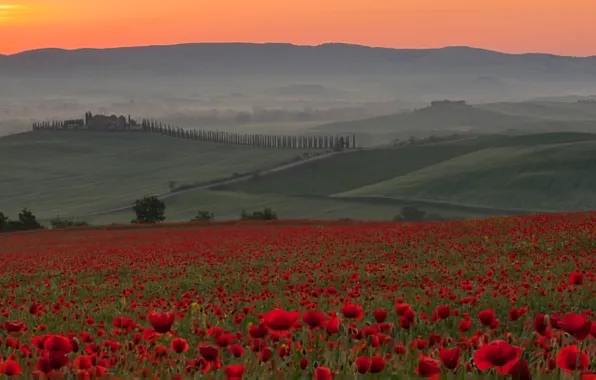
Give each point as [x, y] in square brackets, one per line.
[556, 26]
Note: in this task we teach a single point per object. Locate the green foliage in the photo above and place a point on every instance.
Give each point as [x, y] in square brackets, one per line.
[204, 216]
[411, 214]
[26, 221]
[67, 223]
[266, 214]
[149, 210]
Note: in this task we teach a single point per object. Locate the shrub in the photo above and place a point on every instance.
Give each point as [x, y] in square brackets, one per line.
[266, 214]
[149, 210]
[3, 221]
[411, 214]
[204, 215]
[67, 223]
[26, 221]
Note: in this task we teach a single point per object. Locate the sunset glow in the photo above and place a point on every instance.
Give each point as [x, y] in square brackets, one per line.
[554, 26]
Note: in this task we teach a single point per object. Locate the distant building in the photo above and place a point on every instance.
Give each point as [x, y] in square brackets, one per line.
[447, 102]
[112, 122]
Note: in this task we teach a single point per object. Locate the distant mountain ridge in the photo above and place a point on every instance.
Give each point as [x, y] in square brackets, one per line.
[282, 58]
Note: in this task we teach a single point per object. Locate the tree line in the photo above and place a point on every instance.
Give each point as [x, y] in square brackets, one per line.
[151, 209]
[112, 123]
[248, 139]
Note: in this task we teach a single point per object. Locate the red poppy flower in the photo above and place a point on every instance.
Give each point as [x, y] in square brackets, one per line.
[179, 345]
[362, 364]
[14, 326]
[10, 368]
[58, 343]
[443, 311]
[520, 371]
[496, 354]
[209, 353]
[236, 350]
[487, 317]
[161, 322]
[352, 311]
[323, 373]
[380, 315]
[570, 359]
[280, 320]
[540, 324]
[234, 372]
[377, 364]
[314, 318]
[450, 357]
[428, 368]
[577, 325]
[576, 278]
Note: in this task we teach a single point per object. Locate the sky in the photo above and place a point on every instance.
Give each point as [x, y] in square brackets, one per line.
[566, 27]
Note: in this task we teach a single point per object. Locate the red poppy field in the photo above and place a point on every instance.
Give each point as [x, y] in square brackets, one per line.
[506, 298]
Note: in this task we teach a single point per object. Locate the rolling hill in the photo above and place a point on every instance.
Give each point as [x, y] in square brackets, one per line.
[456, 118]
[283, 58]
[561, 111]
[544, 177]
[76, 173]
[210, 69]
[539, 172]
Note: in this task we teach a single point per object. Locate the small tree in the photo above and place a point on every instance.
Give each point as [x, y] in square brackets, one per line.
[411, 214]
[204, 215]
[3, 221]
[58, 222]
[28, 220]
[149, 210]
[266, 214]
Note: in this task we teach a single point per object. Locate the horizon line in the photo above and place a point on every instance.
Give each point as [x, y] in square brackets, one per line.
[291, 44]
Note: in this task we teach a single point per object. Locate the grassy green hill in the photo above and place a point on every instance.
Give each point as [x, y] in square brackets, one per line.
[344, 172]
[75, 173]
[449, 118]
[530, 172]
[347, 171]
[493, 118]
[540, 177]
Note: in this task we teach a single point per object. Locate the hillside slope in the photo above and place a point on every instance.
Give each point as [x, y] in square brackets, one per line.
[453, 118]
[74, 173]
[351, 170]
[563, 111]
[545, 177]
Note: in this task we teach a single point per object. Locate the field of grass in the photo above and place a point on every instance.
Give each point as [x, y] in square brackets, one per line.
[348, 171]
[544, 177]
[505, 298]
[526, 172]
[76, 173]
